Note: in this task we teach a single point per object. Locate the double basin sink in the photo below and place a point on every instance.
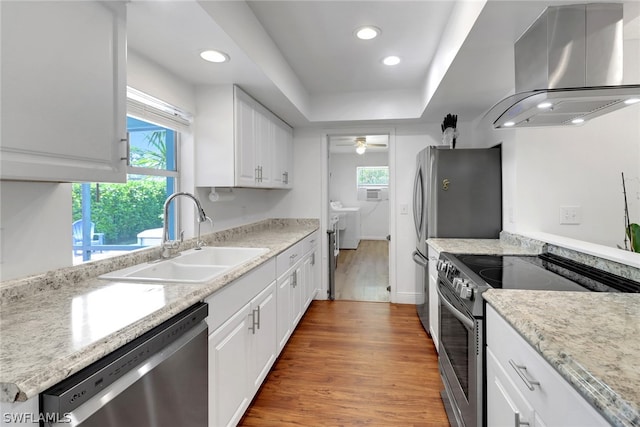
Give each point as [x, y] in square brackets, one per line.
[192, 266]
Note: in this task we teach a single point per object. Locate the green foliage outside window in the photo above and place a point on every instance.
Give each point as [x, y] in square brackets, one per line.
[121, 211]
[373, 176]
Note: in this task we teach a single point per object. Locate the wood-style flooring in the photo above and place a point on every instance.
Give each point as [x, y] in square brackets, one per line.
[363, 274]
[353, 363]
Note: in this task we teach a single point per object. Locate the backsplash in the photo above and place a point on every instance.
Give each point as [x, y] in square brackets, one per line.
[16, 289]
[609, 266]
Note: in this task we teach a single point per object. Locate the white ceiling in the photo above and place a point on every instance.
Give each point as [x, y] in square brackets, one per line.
[301, 59]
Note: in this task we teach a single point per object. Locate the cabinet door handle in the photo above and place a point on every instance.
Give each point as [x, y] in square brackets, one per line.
[256, 173]
[255, 320]
[127, 152]
[260, 172]
[519, 370]
[313, 258]
[519, 423]
[294, 279]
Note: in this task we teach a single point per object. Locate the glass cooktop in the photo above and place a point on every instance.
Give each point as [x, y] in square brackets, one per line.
[544, 272]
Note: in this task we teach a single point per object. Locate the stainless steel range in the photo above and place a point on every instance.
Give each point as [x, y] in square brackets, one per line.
[461, 281]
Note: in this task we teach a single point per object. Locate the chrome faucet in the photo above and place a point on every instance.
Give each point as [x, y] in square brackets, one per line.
[169, 246]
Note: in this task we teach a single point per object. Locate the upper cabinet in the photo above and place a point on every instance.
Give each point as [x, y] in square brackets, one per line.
[239, 143]
[63, 91]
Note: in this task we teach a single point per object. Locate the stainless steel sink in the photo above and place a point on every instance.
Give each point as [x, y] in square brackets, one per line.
[193, 266]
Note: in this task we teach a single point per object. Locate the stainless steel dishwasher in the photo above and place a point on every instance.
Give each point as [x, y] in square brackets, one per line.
[157, 380]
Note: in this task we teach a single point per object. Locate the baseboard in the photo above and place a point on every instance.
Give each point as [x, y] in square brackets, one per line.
[406, 298]
[373, 237]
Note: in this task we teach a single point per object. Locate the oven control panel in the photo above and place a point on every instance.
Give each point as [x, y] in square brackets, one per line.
[462, 286]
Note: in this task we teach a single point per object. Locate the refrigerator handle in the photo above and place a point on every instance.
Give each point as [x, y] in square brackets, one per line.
[418, 217]
[419, 259]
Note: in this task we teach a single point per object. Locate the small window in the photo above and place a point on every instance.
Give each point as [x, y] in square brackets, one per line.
[372, 176]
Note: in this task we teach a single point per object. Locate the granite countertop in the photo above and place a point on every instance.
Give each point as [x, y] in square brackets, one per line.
[55, 324]
[485, 246]
[591, 338]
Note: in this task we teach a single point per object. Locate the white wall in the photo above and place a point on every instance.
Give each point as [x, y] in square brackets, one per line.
[577, 166]
[374, 216]
[35, 226]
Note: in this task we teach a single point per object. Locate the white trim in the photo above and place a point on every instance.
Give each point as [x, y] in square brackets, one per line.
[392, 188]
[153, 110]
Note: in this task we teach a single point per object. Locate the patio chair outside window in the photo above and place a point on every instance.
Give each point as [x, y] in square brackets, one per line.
[76, 227]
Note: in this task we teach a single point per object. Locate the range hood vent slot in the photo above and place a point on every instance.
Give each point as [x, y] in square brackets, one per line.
[568, 67]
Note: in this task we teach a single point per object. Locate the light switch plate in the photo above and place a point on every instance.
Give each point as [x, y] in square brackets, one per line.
[404, 209]
[570, 215]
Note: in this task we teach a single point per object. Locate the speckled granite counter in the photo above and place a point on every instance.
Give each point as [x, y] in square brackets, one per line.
[592, 339]
[486, 246]
[55, 324]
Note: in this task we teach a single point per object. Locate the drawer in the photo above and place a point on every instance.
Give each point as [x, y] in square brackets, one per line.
[310, 242]
[554, 399]
[227, 300]
[289, 258]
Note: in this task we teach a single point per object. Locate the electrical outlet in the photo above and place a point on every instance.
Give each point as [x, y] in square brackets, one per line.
[404, 209]
[570, 215]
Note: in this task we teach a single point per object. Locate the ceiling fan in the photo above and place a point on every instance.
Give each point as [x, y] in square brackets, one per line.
[360, 142]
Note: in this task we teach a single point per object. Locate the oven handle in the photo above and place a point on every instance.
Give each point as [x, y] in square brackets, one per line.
[468, 323]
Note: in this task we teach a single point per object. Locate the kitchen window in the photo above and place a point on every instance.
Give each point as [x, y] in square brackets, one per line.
[123, 217]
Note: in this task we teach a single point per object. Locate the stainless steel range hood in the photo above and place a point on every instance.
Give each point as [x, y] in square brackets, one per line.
[568, 69]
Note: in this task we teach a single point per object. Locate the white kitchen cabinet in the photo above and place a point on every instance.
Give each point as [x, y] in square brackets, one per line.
[311, 270]
[229, 352]
[239, 141]
[520, 381]
[284, 326]
[263, 333]
[282, 156]
[63, 91]
[242, 342]
[297, 277]
[434, 300]
[505, 406]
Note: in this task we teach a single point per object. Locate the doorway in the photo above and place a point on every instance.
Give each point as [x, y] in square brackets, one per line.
[358, 191]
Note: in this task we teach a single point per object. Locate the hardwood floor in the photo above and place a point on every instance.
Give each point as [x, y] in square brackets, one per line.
[353, 363]
[363, 274]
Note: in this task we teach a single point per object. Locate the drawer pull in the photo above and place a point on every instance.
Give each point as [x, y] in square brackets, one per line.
[519, 370]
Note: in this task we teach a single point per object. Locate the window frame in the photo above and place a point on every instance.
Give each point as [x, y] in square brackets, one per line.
[378, 186]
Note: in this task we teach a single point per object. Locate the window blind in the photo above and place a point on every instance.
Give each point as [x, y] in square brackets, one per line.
[146, 107]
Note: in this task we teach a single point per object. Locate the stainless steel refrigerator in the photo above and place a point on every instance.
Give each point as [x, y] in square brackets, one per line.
[457, 193]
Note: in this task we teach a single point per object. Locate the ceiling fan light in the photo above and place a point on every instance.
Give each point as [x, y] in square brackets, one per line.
[360, 149]
[367, 32]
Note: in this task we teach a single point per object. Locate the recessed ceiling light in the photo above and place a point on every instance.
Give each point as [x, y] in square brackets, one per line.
[508, 124]
[577, 120]
[544, 105]
[214, 56]
[391, 60]
[367, 33]
[631, 101]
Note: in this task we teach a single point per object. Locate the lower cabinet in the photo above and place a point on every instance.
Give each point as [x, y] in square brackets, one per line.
[434, 300]
[523, 389]
[250, 322]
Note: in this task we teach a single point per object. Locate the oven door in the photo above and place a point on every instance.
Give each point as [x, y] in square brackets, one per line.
[460, 360]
